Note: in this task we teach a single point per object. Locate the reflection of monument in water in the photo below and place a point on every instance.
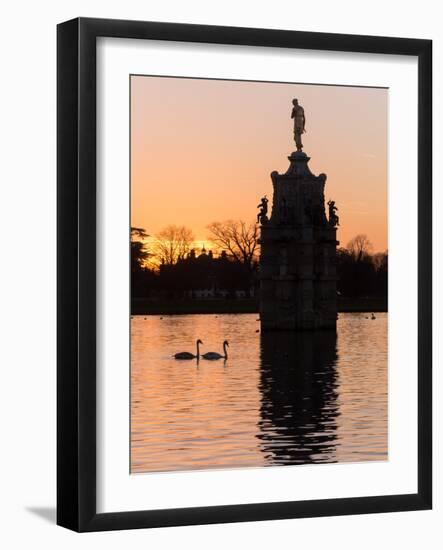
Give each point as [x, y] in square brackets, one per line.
[298, 247]
[298, 381]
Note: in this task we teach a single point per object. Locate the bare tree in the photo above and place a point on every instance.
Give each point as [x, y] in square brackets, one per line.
[359, 247]
[172, 244]
[237, 238]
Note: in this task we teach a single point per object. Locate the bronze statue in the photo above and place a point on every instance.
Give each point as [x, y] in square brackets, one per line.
[298, 114]
[333, 218]
[262, 215]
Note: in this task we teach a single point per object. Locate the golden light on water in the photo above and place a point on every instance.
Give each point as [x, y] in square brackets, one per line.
[276, 400]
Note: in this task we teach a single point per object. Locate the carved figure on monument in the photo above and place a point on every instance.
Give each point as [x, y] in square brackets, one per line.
[262, 215]
[298, 114]
[333, 218]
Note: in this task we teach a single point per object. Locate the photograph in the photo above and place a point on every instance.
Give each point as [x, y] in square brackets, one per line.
[226, 333]
[258, 239]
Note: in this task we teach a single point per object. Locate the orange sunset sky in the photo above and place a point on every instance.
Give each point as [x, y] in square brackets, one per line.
[203, 150]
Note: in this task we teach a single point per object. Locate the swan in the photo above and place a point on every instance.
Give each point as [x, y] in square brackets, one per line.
[212, 355]
[187, 354]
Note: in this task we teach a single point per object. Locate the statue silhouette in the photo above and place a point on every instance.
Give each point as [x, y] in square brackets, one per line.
[262, 215]
[333, 218]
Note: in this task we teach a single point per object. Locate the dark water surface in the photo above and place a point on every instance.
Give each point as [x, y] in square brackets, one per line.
[279, 399]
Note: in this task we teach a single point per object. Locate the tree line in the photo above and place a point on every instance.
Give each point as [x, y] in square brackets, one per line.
[168, 264]
[361, 272]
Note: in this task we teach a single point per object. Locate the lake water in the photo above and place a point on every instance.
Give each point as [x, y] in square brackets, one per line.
[279, 399]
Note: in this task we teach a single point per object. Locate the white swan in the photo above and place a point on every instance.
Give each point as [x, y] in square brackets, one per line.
[187, 354]
[212, 355]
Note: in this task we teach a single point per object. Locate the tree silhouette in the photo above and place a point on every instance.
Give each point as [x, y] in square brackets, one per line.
[361, 273]
[381, 266]
[359, 247]
[238, 239]
[138, 232]
[181, 272]
[139, 252]
[172, 244]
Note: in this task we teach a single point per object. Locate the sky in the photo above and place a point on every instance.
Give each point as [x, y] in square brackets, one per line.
[203, 151]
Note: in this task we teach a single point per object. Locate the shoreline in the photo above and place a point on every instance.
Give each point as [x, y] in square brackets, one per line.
[146, 306]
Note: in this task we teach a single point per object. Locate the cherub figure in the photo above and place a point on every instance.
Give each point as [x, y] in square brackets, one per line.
[333, 218]
[262, 215]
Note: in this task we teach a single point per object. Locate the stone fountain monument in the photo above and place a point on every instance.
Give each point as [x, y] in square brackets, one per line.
[298, 246]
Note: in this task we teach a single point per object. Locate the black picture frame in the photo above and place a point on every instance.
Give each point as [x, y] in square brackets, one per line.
[76, 296]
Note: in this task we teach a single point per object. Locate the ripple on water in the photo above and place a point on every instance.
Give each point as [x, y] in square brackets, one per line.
[280, 398]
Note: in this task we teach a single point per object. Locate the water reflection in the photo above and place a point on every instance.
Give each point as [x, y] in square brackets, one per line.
[299, 406]
[279, 399]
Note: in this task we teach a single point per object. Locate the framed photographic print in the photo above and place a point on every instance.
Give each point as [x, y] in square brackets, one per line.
[244, 274]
